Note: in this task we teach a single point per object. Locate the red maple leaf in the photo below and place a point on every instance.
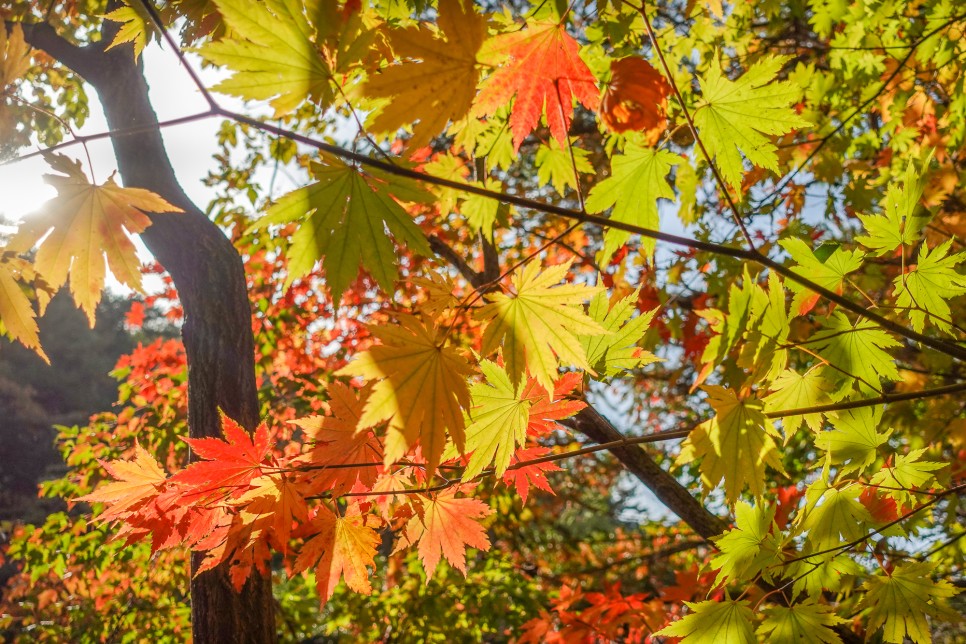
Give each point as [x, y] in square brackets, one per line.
[230, 464]
[523, 477]
[539, 66]
[544, 412]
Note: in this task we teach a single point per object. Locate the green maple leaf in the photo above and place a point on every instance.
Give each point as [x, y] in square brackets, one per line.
[555, 166]
[540, 323]
[344, 215]
[899, 223]
[829, 272]
[735, 445]
[926, 289]
[908, 473]
[766, 332]
[833, 516]
[750, 547]
[617, 352]
[711, 622]
[900, 602]
[854, 440]
[638, 179]
[792, 390]
[737, 115]
[498, 425]
[271, 53]
[857, 351]
[814, 575]
[804, 623]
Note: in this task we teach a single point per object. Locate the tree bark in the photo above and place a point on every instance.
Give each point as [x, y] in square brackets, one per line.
[209, 276]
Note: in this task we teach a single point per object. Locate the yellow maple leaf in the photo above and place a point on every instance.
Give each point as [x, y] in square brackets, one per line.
[735, 445]
[438, 83]
[540, 319]
[87, 222]
[14, 55]
[17, 317]
[421, 389]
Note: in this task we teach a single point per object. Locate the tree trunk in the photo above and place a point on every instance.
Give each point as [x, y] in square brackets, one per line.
[210, 279]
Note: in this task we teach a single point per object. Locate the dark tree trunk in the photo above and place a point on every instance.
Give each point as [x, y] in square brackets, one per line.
[210, 279]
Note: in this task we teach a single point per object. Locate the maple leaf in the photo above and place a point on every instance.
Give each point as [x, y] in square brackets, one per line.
[337, 442]
[858, 351]
[136, 26]
[792, 390]
[271, 54]
[735, 445]
[498, 423]
[617, 352]
[421, 389]
[138, 481]
[439, 82]
[556, 167]
[767, 332]
[750, 547]
[274, 501]
[907, 474]
[854, 440]
[344, 215]
[829, 272]
[833, 516]
[17, 317]
[635, 98]
[14, 55]
[806, 622]
[343, 547]
[545, 410]
[926, 289]
[87, 222]
[901, 601]
[231, 464]
[540, 67]
[736, 115]
[522, 477]
[899, 223]
[711, 622]
[537, 321]
[446, 526]
[638, 179]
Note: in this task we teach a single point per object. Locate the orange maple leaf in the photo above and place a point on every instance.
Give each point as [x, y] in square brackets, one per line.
[543, 70]
[447, 526]
[337, 444]
[635, 99]
[139, 481]
[273, 503]
[344, 547]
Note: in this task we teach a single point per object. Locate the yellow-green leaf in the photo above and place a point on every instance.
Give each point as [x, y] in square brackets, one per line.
[740, 114]
[421, 388]
[711, 622]
[539, 324]
[735, 445]
[900, 602]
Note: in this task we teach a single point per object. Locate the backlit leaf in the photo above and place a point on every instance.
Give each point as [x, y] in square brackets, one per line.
[539, 69]
[901, 601]
[539, 324]
[421, 389]
[713, 622]
[87, 222]
[925, 291]
[740, 114]
[446, 527]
